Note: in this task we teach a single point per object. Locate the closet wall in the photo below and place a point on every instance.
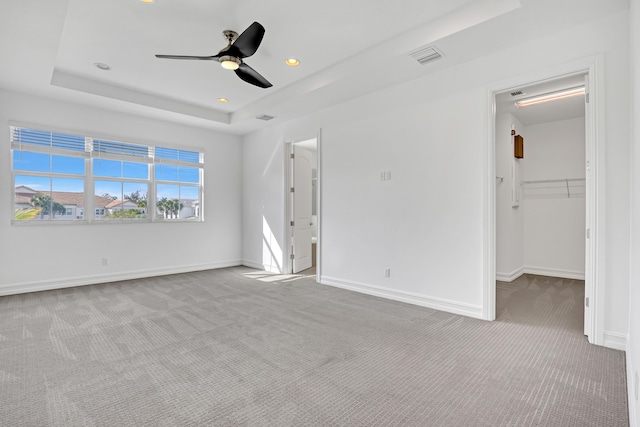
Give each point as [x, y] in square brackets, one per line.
[509, 218]
[554, 199]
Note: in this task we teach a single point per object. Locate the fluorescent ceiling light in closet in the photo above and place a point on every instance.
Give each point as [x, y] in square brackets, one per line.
[553, 96]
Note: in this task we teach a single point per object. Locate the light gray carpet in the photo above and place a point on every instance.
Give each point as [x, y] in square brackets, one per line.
[222, 348]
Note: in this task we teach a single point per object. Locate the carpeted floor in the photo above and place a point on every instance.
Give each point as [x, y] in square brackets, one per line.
[238, 347]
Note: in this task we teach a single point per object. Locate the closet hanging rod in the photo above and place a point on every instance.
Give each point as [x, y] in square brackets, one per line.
[541, 181]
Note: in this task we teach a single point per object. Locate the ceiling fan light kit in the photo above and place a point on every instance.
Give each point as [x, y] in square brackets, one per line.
[229, 62]
[231, 56]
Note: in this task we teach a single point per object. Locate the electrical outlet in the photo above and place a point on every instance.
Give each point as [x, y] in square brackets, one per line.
[387, 272]
[387, 176]
[382, 176]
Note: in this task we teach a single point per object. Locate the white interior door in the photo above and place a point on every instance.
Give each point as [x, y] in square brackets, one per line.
[301, 236]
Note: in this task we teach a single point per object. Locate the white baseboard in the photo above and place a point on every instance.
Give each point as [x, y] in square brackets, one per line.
[455, 307]
[540, 271]
[554, 272]
[260, 266]
[510, 277]
[47, 285]
[615, 340]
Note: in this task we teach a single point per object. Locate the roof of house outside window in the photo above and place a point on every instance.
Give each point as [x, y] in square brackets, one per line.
[66, 198]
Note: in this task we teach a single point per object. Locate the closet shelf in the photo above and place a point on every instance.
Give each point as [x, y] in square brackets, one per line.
[554, 188]
[541, 181]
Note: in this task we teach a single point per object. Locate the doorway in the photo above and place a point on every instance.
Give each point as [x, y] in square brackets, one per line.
[593, 190]
[540, 202]
[303, 213]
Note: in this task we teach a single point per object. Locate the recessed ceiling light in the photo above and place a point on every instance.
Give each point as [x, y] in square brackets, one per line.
[292, 62]
[102, 66]
[148, 1]
[223, 100]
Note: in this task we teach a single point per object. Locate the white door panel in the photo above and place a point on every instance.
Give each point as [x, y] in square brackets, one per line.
[302, 232]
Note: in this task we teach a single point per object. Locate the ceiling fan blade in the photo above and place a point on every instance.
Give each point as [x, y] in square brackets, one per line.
[204, 58]
[250, 75]
[247, 43]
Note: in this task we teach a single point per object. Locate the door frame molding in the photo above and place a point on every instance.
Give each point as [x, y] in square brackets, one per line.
[287, 266]
[595, 254]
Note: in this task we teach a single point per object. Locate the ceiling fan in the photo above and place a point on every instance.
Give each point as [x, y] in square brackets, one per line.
[230, 57]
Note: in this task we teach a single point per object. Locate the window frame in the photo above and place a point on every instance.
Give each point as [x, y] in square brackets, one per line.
[89, 215]
[177, 182]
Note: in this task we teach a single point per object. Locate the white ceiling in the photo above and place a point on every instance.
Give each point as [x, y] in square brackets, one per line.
[48, 48]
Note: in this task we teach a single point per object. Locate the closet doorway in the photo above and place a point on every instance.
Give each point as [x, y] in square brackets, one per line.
[540, 201]
[523, 185]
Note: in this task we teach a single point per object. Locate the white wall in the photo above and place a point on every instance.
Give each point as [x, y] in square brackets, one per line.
[49, 256]
[633, 348]
[426, 223]
[509, 219]
[554, 224]
[263, 202]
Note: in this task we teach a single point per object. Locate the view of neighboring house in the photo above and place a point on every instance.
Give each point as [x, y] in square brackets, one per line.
[179, 209]
[73, 203]
[121, 205]
[105, 207]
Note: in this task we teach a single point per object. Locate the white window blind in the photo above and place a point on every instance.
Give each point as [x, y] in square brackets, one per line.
[121, 150]
[175, 156]
[43, 141]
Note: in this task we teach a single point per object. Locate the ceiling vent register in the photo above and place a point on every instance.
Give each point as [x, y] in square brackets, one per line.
[265, 117]
[426, 55]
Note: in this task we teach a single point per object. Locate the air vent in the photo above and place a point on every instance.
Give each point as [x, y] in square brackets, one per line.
[426, 55]
[265, 117]
[517, 92]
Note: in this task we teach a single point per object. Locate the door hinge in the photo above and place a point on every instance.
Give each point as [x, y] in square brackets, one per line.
[293, 223]
[586, 302]
[293, 256]
[292, 189]
[292, 156]
[588, 233]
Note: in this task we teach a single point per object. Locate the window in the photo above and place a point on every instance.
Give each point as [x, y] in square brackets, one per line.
[57, 176]
[121, 179]
[48, 174]
[177, 177]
